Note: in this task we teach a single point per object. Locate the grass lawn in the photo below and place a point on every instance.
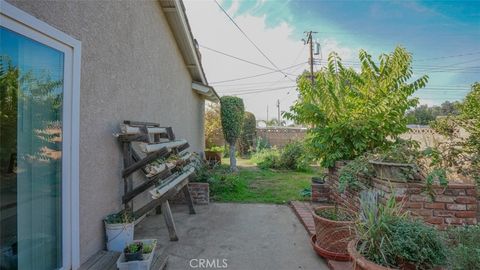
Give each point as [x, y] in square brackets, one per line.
[254, 185]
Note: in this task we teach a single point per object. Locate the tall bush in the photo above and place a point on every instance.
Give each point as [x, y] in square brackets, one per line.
[249, 132]
[351, 112]
[232, 112]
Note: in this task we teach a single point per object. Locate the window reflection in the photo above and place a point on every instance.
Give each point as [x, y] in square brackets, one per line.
[31, 92]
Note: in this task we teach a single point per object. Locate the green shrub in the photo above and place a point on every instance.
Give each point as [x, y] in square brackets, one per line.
[267, 158]
[249, 132]
[414, 242]
[387, 236]
[262, 143]
[464, 247]
[294, 157]
[221, 180]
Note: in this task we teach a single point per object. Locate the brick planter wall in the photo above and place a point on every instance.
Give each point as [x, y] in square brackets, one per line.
[200, 193]
[320, 192]
[455, 204]
[349, 198]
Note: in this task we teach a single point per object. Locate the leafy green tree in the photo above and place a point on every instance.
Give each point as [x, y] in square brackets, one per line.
[213, 126]
[423, 114]
[351, 112]
[232, 113]
[249, 133]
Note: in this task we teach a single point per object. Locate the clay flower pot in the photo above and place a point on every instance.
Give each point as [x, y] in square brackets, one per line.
[332, 236]
[360, 262]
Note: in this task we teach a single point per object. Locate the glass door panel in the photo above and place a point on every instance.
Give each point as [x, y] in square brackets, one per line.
[31, 94]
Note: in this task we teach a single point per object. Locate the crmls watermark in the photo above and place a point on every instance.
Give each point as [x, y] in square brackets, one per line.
[209, 263]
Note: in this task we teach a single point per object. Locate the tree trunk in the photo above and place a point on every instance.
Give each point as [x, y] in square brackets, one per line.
[233, 160]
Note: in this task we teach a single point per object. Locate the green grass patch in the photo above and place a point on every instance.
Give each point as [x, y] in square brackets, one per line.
[253, 185]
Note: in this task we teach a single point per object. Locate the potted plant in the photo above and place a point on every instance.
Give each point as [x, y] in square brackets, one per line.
[399, 162]
[134, 252]
[119, 229]
[334, 229]
[387, 238]
[214, 154]
[137, 255]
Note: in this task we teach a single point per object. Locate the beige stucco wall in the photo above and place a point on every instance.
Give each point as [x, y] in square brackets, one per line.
[131, 69]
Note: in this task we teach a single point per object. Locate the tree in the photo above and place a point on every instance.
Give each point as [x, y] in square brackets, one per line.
[249, 132]
[232, 112]
[213, 126]
[423, 114]
[351, 112]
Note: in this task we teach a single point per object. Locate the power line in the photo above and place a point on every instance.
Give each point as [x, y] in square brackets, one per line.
[248, 38]
[240, 59]
[256, 89]
[448, 56]
[258, 75]
[262, 90]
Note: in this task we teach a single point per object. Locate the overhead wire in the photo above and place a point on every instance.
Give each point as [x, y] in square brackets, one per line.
[249, 39]
[254, 76]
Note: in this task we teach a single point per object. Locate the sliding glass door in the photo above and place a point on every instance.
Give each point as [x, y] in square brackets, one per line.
[31, 106]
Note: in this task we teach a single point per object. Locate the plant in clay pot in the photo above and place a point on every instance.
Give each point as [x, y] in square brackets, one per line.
[334, 229]
[387, 238]
[134, 252]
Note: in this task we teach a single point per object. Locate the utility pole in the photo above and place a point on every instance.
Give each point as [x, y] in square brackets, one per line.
[309, 40]
[278, 108]
[267, 114]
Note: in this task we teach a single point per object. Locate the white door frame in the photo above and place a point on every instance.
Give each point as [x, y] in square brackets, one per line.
[25, 24]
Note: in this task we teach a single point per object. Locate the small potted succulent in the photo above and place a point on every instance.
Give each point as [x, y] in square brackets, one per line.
[334, 229]
[134, 252]
[137, 255]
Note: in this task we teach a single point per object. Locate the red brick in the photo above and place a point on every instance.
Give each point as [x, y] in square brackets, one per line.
[435, 205]
[471, 192]
[423, 212]
[434, 220]
[414, 191]
[472, 207]
[458, 207]
[443, 198]
[471, 221]
[413, 205]
[443, 213]
[466, 200]
[454, 221]
[466, 214]
[418, 198]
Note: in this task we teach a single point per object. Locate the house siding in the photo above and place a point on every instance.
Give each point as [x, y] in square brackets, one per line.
[131, 69]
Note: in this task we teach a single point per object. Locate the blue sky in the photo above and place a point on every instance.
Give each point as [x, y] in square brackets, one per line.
[435, 32]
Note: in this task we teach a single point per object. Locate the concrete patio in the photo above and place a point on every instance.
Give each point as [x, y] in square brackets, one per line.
[248, 236]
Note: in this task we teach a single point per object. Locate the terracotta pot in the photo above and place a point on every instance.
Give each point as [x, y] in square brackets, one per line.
[212, 156]
[360, 262]
[327, 254]
[333, 236]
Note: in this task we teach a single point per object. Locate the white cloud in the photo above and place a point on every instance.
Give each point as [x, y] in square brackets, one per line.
[213, 29]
